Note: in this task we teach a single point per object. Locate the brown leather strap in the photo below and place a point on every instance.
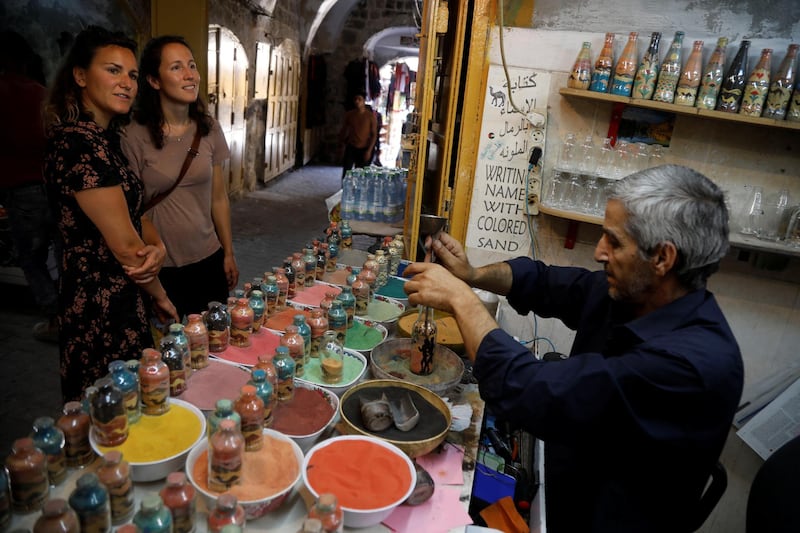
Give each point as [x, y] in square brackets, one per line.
[190, 155]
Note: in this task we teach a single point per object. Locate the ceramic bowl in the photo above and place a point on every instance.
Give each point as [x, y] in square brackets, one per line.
[390, 360]
[313, 376]
[396, 305]
[308, 440]
[380, 328]
[149, 428]
[430, 432]
[358, 518]
[253, 508]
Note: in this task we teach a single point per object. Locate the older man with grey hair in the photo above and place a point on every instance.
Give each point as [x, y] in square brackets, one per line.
[635, 419]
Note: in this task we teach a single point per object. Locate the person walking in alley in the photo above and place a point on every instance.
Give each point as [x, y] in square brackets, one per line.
[359, 134]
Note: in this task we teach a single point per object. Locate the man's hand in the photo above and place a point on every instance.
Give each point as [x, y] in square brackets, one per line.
[431, 285]
[450, 253]
[146, 272]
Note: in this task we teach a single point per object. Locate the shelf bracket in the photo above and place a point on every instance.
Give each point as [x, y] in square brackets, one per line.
[572, 234]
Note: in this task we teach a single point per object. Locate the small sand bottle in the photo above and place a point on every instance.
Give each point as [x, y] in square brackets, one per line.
[258, 379]
[288, 270]
[251, 408]
[348, 304]
[224, 411]
[271, 295]
[153, 516]
[154, 382]
[109, 418]
[296, 345]
[50, 439]
[327, 300]
[115, 476]
[327, 510]
[347, 235]
[259, 307]
[57, 517]
[75, 423]
[180, 498]
[299, 267]
[225, 456]
[27, 475]
[423, 337]
[228, 511]
[304, 329]
[337, 320]
[284, 366]
[311, 525]
[178, 331]
[216, 319]
[173, 358]
[128, 383]
[360, 290]
[197, 333]
[265, 363]
[283, 287]
[90, 502]
[242, 317]
[319, 325]
[331, 358]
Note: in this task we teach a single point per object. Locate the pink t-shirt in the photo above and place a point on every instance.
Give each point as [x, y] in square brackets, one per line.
[183, 218]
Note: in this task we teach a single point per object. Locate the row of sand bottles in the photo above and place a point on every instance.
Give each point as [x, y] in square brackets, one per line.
[731, 90]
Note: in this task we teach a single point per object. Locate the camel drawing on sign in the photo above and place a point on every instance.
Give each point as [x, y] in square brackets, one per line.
[498, 97]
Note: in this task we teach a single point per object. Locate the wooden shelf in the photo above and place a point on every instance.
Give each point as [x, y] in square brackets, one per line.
[679, 109]
[737, 240]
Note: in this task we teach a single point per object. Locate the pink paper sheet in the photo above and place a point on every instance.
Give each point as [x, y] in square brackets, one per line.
[441, 513]
[444, 466]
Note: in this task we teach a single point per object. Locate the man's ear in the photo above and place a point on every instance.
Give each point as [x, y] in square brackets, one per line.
[664, 258]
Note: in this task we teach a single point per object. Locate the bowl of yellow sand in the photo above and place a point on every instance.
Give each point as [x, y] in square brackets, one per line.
[268, 475]
[369, 477]
[158, 445]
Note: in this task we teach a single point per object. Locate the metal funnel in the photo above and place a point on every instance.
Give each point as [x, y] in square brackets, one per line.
[431, 225]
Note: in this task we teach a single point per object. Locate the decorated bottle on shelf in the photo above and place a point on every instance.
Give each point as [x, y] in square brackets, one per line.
[294, 342]
[793, 113]
[581, 74]
[223, 410]
[601, 76]
[128, 383]
[242, 317]
[283, 287]
[256, 303]
[27, 475]
[625, 70]
[90, 501]
[50, 439]
[670, 71]
[154, 382]
[114, 474]
[337, 320]
[310, 261]
[56, 517]
[177, 330]
[348, 304]
[328, 511]
[173, 358]
[757, 85]
[299, 267]
[153, 516]
[689, 82]
[288, 271]
[423, 337]
[180, 498]
[76, 423]
[331, 358]
[645, 81]
[284, 366]
[227, 511]
[251, 408]
[197, 333]
[730, 95]
[711, 82]
[360, 290]
[225, 456]
[109, 419]
[258, 379]
[271, 295]
[347, 235]
[319, 325]
[304, 329]
[780, 90]
[217, 325]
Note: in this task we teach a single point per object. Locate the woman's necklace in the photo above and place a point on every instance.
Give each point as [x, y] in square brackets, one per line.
[177, 132]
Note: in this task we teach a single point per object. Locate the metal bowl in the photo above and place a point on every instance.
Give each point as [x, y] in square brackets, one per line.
[435, 416]
[390, 360]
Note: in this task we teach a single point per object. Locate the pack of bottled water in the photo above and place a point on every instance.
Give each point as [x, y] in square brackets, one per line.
[375, 194]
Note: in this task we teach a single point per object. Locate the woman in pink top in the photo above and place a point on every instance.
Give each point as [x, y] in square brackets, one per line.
[194, 219]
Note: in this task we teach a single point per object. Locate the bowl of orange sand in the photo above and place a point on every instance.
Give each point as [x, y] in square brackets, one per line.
[369, 477]
[158, 445]
[268, 475]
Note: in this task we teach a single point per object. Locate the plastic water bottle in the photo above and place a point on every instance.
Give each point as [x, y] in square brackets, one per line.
[360, 184]
[390, 196]
[348, 190]
[375, 197]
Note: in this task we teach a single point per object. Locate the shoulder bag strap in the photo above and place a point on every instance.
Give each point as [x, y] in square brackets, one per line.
[190, 155]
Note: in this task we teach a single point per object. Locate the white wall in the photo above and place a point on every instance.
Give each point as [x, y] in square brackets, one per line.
[761, 304]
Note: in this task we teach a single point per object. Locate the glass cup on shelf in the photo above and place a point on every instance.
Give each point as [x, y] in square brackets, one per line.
[587, 156]
[605, 159]
[573, 195]
[567, 155]
[590, 202]
[751, 218]
[554, 194]
[622, 157]
[792, 235]
[642, 157]
[773, 211]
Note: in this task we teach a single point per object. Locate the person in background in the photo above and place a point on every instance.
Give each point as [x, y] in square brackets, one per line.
[111, 255]
[194, 219]
[634, 420]
[22, 141]
[359, 133]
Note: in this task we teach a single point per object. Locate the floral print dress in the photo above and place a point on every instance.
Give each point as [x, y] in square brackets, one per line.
[102, 314]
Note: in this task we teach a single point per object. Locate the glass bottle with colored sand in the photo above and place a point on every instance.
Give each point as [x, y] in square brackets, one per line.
[114, 475]
[75, 423]
[197, 334]
[180, 497]
[50, 439]
[227, 511]
[27, 475]
[284, 366]
[153, 516]
[90, 501]
[225, 456]
[109, 419]
[154, 382]
[57, 517]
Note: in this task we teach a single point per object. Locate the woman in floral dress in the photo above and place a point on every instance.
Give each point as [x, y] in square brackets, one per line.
[110, 258]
